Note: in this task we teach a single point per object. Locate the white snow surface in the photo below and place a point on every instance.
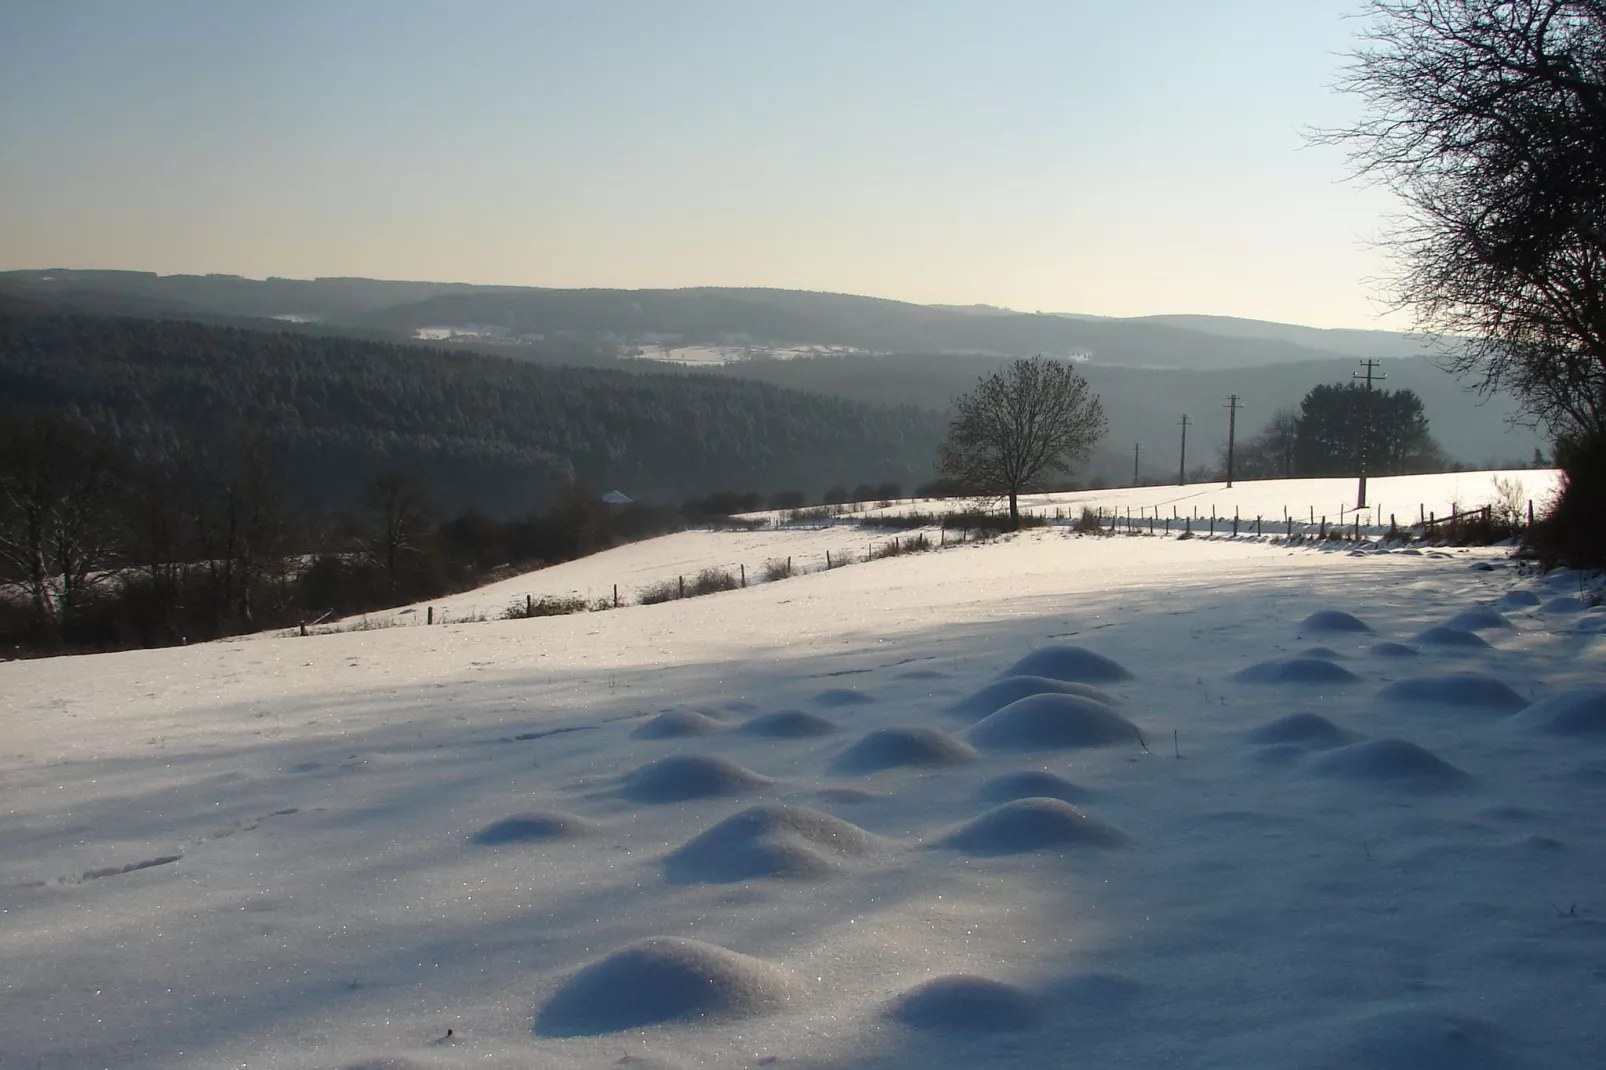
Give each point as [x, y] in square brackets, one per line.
[629, 569]
[317, 897]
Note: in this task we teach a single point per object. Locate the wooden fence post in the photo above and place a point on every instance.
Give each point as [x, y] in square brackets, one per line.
[682, 581]
[529, 605]
[616, 596]
[744, 575]
[430, 616]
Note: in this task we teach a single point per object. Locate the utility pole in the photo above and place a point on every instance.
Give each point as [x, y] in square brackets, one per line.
[1182, 465]
[1137, 448]
[1366, 424]
[1232, 432]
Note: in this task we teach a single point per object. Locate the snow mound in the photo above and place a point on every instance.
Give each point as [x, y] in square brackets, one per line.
[1279, 755]
[966, 1003]
[1580, 712]
[1562, 604]
[1073, 663]
[1306, 729]
[382, 1063]
[1300, 670]
[1326, 652]
[677, 724]
[1421, 1038]
[1032, 784]
[1564, 578]
[1051, 721]
[789, 724]
[663, 979]
[533, 827]
[1032, 825]
[1479, 619]
[1594, 623]
[1467, 689]
[1391, 763]
[1000, 693]
[1444, 635]
[838, 697]
[1390, 649]
[1333, 620]
[889, 748]
[767, 841]
[1517, 600]
[688, 776]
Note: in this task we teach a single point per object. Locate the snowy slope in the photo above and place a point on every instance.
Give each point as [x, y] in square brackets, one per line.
[630, 569]
[335, 881]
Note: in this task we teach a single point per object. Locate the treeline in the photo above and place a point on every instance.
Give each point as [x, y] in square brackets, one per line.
[101, 548]
[496, 434]
[1327, 434]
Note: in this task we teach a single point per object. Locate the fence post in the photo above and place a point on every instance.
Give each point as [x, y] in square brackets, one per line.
[616, 596]
[430, 615]
[1257, 526]
[1212, 520]
[744, 575]
[789, 565]
[682, 581]
[1530, 512]
[529, 605]
[828, 559]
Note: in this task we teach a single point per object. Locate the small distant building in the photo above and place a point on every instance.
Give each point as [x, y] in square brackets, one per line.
[614, 497]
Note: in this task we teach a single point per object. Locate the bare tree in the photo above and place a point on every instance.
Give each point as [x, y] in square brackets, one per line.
[1017, 426]
[59, 519]
[1488, 119]
[401, 516]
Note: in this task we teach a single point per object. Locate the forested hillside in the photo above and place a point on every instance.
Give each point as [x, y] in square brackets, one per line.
[481, 431]
[1144, 404]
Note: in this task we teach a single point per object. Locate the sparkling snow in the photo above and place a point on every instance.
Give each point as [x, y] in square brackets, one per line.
[326, 852]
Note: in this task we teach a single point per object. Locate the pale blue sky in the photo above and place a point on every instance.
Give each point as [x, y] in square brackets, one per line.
[1066, 156]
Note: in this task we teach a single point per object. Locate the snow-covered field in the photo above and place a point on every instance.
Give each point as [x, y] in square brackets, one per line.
[1232, 834]
[628, 570]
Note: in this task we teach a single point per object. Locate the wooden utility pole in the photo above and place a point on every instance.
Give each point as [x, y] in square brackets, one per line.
[1366, 424]
[1137, 448]
[1232, 432]
[1182, 465]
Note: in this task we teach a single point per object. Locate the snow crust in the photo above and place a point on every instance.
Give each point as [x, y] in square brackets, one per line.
[326, 852]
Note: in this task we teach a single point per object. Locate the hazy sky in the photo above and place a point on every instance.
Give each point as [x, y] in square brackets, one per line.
[1109, 158]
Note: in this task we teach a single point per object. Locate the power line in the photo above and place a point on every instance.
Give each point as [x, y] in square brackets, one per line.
[1232, 407]
[1366, 425]
[1182, 465]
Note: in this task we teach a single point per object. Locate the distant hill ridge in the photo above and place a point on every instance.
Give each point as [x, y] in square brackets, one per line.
[609, 319]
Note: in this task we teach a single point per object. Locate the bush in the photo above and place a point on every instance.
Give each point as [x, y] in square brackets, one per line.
[546, 606]
[1573, 532]
[988, 523]
[898, 547]
[778, 568]
[711, 581]
[1088, 523]
[664, 591]
[708, 581]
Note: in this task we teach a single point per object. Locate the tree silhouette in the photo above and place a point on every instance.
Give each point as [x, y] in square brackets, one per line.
[1018, 425]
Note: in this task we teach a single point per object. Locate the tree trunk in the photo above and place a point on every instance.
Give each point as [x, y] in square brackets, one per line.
[1014, 511]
